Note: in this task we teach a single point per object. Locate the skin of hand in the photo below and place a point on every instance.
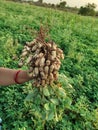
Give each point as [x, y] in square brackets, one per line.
[7, 76]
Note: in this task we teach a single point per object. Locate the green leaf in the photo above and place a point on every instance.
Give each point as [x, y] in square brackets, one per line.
[50, 116]
[67, 102]
[54, 101]
[46, 91]
[52, 107]
[62, 92]
[37, 99]
[29, 97]
[46, 106]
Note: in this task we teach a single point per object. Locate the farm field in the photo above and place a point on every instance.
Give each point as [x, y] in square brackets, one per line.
[77, 36]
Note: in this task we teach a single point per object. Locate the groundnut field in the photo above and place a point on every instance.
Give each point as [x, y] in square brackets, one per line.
[59, 50]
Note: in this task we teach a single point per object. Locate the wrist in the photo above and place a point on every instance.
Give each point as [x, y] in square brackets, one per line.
[21, 76]
[16, 77]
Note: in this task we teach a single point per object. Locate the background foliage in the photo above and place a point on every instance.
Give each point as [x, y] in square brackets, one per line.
[77, 36]
[88, 10]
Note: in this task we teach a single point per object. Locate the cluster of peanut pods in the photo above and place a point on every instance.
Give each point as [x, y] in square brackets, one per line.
[43, 61]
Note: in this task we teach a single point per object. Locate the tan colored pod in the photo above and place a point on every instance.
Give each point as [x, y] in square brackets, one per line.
[54, 46]
[41, 69]
[48, 62]
[47, 81]
[24, 54]
[34, 47]
[33, 74]
[49, 45]
[51, 82]
[29, 59]
[43, 82]
[30, 74]
[62, 56]
[56, 67]
[51, 58]
[42, 75]
[24, 50]
[37, 62]
[39, 45]
[51, 76]
[22, 59]
[35, 56]
[30, 69]
[27, 48]
[36, 71]
[55, 76]
[51, 68]
[55, 72]
[30, 44]
[34, 41]
[59, 51]
[46, 69]
[57, 60]
[37, 51]
[59, 56]
[20, 64]
[53, 54]
[42, 61]
[40, 55]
